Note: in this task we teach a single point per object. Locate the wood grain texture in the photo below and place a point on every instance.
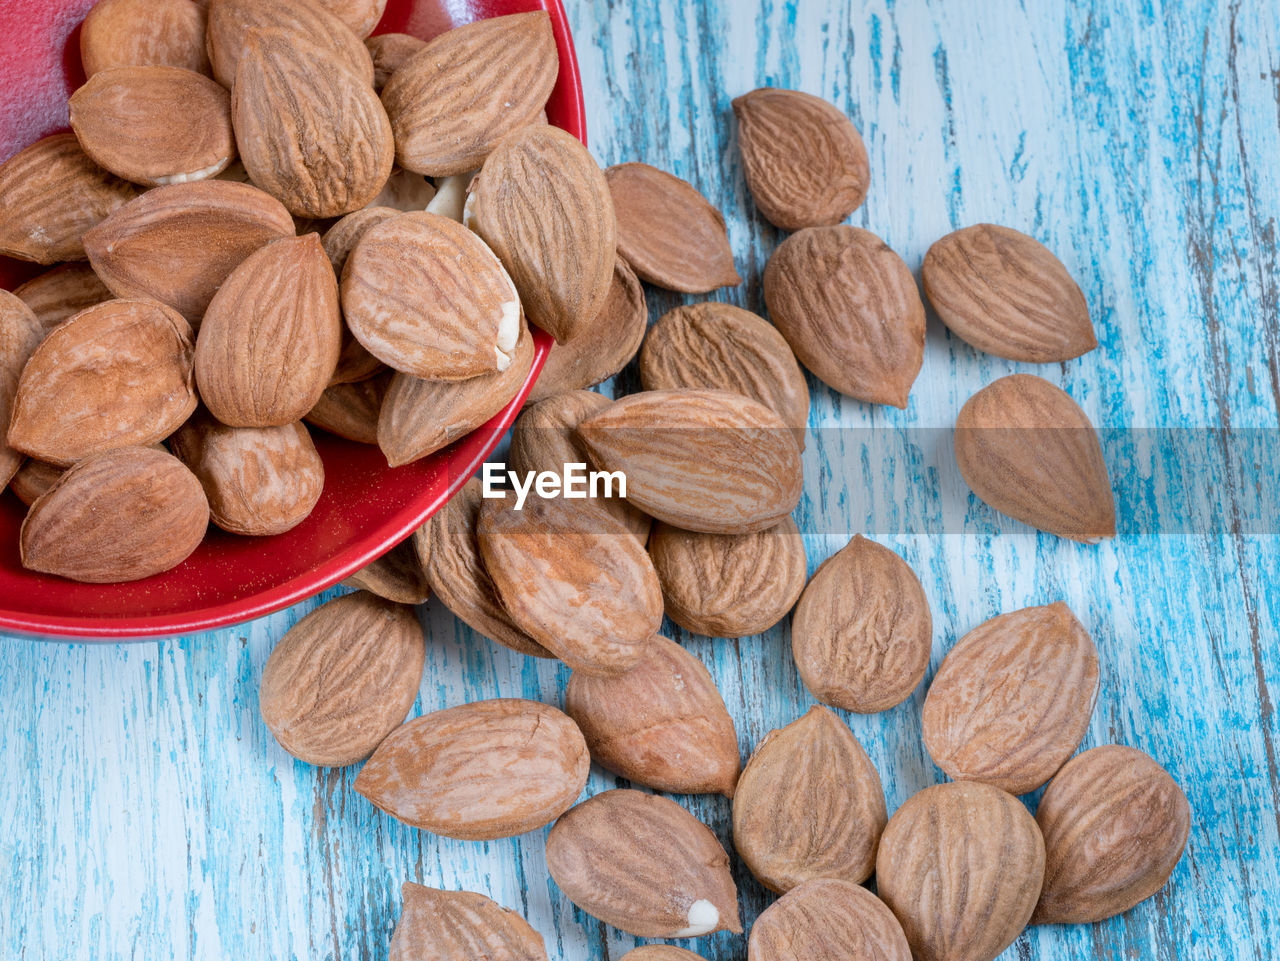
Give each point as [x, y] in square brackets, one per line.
[146, 812]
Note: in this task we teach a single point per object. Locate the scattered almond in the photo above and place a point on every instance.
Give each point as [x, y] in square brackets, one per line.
[144, 33]
[57, 294]
[660, 952]
[827, 919]
[396, 576]
[460, 926]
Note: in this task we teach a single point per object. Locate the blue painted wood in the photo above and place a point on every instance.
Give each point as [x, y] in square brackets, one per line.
[145, 812]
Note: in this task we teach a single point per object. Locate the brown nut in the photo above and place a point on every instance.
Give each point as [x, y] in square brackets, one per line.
[827, 919]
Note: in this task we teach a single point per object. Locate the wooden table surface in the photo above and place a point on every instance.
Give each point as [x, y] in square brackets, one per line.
[146, 813]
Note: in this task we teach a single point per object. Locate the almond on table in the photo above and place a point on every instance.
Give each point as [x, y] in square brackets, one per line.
[460, 926]
[827, 919]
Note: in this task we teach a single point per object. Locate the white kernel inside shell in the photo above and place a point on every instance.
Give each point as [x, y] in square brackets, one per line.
[451, 196]
[202, 174]
[703, 918]
[508, 333]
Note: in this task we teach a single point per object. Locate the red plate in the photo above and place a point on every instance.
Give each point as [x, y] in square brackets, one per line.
[366, 507]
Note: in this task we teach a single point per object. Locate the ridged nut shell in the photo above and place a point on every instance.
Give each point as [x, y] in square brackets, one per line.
[259, 480]
[850, 310]
[604, 347]
[34, 478]
[351, 410]
[468, 88]
[51, 194]
[1007, 294]
[662, 724]
[960, 865]
[828, 919]
[449, 553]
[118, 516]
[340, 239]
[396, 576]
[723, 347]
[1028, 450]
[270, 339]
[729, 585]
[1115, 825]
[342, 679]
[492, 769]
[542, 205]
[579, 586]
[115, 375]
[420, 417]
[644, 865]
[702, 460]
[177, 244]
[301, 23]
[668, 232]
[57, 294]
[809, 805]
[144, 33]
[862, 632]
[390, 51]
[460, 926]
[178, 124]
[360, 16]
[803, 159]
[425, 296]
[310, 135]
[20, 333]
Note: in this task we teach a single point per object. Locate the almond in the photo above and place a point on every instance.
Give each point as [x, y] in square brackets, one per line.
[178, 124]
[301, 23]
[702, 460]
[1012, 700]
[20, 334]
[850, 310]
[351, 410]
[425, 296]
[827, 919]
[33, 478]
[420, 417]
[1028, 450]
[578, 585]
[57, 294]
[1007, 294]
[543, 439]
[342, 679]
[809, 805]
[660, 952]
[645, 865]
[115, 375]
[177, 244]
[340, 239]
[662, 724]
[142, 33]
[542, 205]
[258, 480]
[396, 576]
[270, 338]
[492, 769]
[722, 347]
[1115, 825]
[449, 553]
[862, 632]
[729, 585]
[121, 515]
[389, 52]
[603, 348]
[803, 159]
[960, 866]
[360, 16]
[460, 926]
[468, 88]
[50, 195]
[310, 135]
[669, 232]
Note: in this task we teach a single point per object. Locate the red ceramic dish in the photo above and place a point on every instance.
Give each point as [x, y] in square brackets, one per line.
[366, 507]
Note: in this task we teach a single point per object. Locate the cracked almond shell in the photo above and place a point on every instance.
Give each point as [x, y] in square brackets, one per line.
[20, 334]
[644, 865]
[303, 24]
[809, 805]
[144, 33]
[460, 926]
[827, 919]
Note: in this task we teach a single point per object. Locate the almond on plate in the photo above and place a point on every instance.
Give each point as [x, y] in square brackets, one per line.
[809, 805]
[121, 515]
[301, 23]
[850, 310]
[803, 159]
[668, 232]
[862, 632]
[468, 88]
[703, 460]
[1028, 450]
[492, 769]
[389, 52]
[341, 238]
[960, 865]
[51, 194]
[645, 865]
[115, 375]
[542, 205]
[144, 33]
[20, 333]
[33, 478]
[577, 584]
[827, 919]
[460, 926]
[1007, 294]
[397, 576]
[351, 410]
[58, 293]
[360, 16]
[662, 724]
[342, 679]
[407, 192]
